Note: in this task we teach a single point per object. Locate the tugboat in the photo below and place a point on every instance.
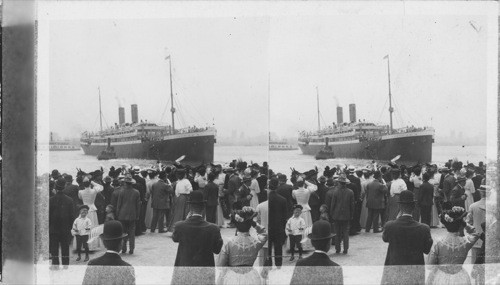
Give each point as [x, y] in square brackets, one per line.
[325, 153]
[108, 153]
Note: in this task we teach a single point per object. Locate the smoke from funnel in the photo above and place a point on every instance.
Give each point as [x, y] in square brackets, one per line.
[336, 101]
[118, 101]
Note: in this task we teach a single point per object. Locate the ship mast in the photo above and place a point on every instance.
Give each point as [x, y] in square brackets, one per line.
[317, 99]
[171, 94]
[391, 110]
[100, 112]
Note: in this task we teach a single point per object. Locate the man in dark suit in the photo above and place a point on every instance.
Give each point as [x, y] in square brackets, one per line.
[61, 217]
[233, 185]
[211, 192]
[457, 194]
[449, 183]
[317, 198]
[243, 194]
[198, 242]
[262, 180]
[318, 268]
[107, 190]
[355, 186]
[71, 191]
[375, 202]
[424, 199]
[140, 185]
[128, 208]
[278, 216]
[285, 191]
[160, 201]
[408, 242]
[341, 210]
[110, 268]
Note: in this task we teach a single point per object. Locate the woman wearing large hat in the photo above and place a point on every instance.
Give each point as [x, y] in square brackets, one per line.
[449, 254]
[88, 196]
[239, 254]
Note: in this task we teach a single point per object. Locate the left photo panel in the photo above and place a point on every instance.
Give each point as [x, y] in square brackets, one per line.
[148, 129]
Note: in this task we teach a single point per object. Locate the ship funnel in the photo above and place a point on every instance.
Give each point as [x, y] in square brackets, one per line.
[352, 113]
[135, 116]
[340, 116]
[121, 115]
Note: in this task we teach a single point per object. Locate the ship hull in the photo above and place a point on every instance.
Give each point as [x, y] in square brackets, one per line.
[196, 148]
[412, 148]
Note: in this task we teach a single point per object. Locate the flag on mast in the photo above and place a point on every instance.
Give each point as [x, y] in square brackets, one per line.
[168, 57]
[386, 56]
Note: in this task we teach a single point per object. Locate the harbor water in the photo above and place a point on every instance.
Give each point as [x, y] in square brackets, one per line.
[279, 161]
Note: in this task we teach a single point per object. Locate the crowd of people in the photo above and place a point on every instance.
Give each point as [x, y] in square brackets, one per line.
[311, 210]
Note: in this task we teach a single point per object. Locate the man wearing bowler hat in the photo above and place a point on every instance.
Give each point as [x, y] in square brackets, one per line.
[318, 268]
[457, 194]
[61, 217]
[128, 209]
[110, 268]
[408, 241]
[198, 242]
[341, 210]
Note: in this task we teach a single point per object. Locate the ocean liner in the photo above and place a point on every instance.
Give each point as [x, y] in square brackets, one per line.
[145, 140]
[365, 140]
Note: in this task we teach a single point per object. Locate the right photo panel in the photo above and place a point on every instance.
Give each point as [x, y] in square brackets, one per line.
[382, 144]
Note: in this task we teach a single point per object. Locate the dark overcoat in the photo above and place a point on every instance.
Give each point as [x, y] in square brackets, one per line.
[375, 195]
[198, 242]
[426, 194]
[211, 193]
[128, 205]
[408, 241]
[448, 184]
[61, 214]
[317, 269]
[278, 216]
[342, 205]
[456, 196]
[109, 269]
[160, 195]
[285, 190]
[71, 191]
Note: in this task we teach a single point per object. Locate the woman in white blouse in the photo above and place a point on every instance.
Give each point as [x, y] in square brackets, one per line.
[182, 188]
[88, 195]
[469, 190]
[396, 187]
[302, 195]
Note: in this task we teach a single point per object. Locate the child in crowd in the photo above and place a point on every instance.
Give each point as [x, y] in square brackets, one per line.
[294, 229]
[81, 231]
[323, 213]
[110, 216]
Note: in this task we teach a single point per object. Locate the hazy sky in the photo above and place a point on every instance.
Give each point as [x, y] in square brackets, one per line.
[222, 66]
[438, 71]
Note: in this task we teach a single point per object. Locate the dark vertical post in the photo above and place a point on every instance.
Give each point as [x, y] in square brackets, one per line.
[18, 143]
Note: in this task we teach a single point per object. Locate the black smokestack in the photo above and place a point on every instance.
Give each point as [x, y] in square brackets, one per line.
[352, 113]
[340, 116]
[135, 115]
[121, 115]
